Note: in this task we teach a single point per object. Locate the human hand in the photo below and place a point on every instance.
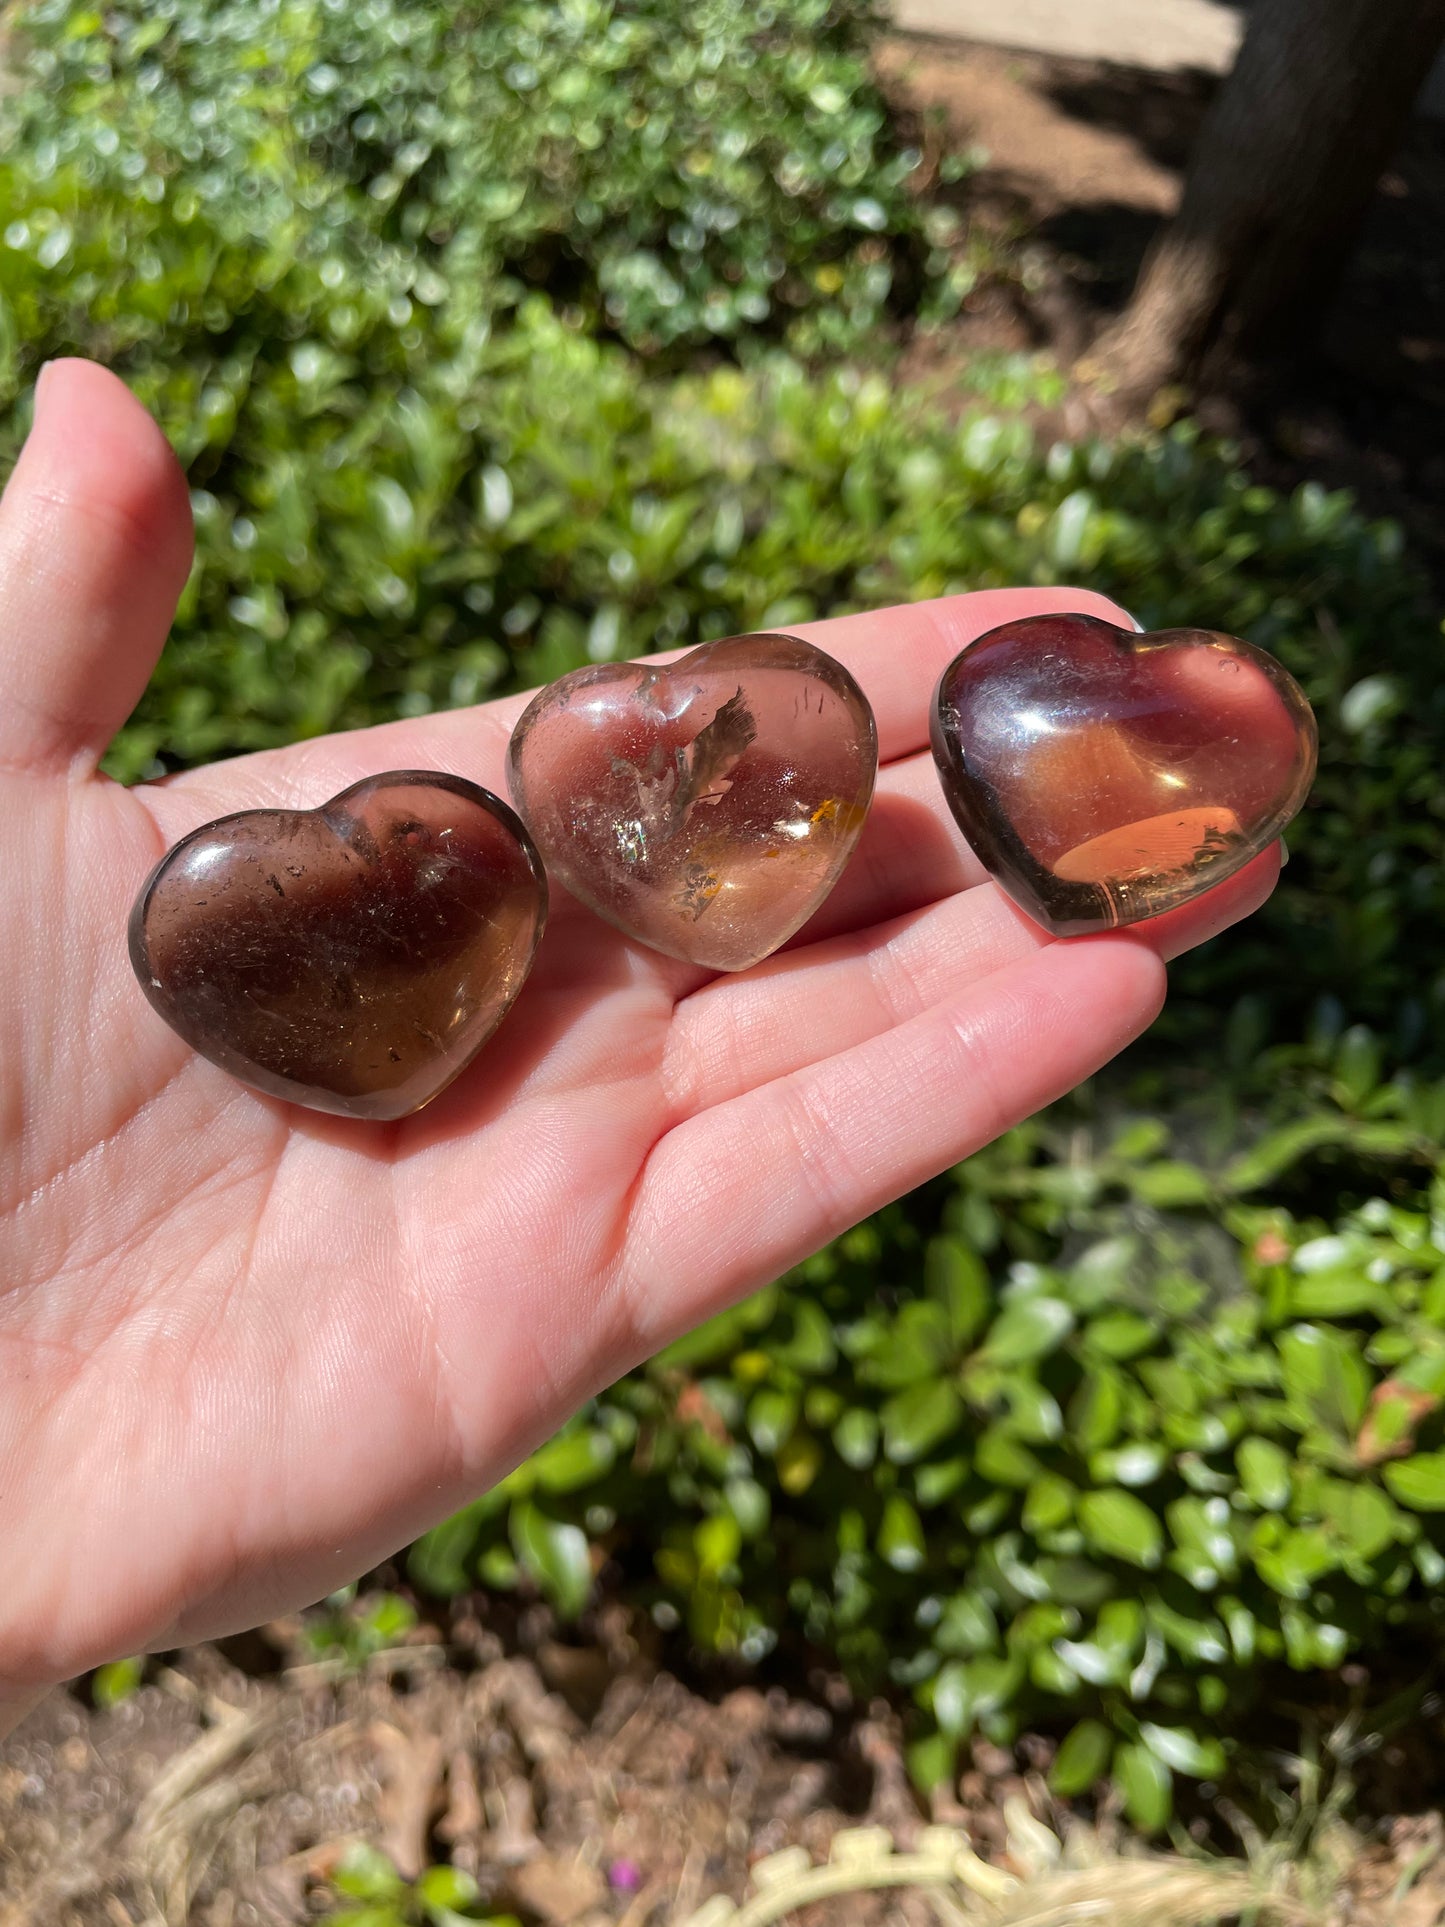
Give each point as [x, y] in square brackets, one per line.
[247, 1350]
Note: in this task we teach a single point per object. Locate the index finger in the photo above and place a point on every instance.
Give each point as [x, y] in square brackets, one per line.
[896, 654]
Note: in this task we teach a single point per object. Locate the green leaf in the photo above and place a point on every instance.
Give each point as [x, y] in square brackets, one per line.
[574, 1460]
[967, 1627]
[1324, 1378]
[1096, 1410]
[918, 1346]
[1204, 1540]
[1170, 1186]
[915, 1420]
[954, 1700]
[1192, 1632]
[1357, 1065]
[1001, 1459]
[750, 1505]
[1264, 1472]
[387, 1620]
[1117, 1523]
[855, 1438]
[1142, 1139]
[449, 1889]
[117, 1681]
[1119, 1334]
[1048, 1503]
[1292, 1566]
[939, 1479]
[771, 1417]
[1418, 1482]
[1243, 1629]
[1075, 1582]
[1147, 1786]
[931, 1762]
[497, 1568]
[554, 1554]
[1136, 1464]
[1184, 1751]
[1338, 1295]
[717, 1541]
[900, 1535]
[1033, 1413]
[1362, 1517]
[955, 1276]
[811, 1350]
[1278, 1151]
[367, 1874]
[1082, 1759]
[1027, 1329]
[1088, 1660]
[719, 1338]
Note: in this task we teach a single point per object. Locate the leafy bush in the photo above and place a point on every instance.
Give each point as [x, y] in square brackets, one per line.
[1088, 1434]
[229, 176]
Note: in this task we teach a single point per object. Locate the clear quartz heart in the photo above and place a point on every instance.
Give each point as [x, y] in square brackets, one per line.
[707, 807]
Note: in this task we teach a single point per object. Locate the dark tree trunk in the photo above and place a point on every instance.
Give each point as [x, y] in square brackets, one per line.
[1278, 184]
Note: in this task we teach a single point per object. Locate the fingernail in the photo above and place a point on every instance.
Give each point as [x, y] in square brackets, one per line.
[1138, 625]
[1283, 853]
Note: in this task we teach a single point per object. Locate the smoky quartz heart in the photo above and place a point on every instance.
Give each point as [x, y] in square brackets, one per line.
[1104, 777]
[352, 958]
[707, 807]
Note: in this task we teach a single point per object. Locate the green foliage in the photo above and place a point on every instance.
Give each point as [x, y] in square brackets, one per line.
[353, 1631]
[116, 1682]
[236, 176]
[1120, 1459]
[440, 1897]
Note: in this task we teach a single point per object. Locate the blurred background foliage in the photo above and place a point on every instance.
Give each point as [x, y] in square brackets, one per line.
[500, 340]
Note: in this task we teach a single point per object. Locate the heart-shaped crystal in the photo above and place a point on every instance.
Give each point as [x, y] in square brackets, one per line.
[1104, 777]
[352, 958]
[706, 808]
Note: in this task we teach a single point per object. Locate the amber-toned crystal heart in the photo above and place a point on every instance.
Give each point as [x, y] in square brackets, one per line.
[706, 808]
[1104, 777]
[352, 958]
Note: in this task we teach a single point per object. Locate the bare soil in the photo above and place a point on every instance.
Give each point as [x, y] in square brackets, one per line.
[1084, 162]
[578, 1782]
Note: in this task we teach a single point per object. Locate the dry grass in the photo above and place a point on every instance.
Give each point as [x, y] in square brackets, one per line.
[1042, 1882]
[218, 1799]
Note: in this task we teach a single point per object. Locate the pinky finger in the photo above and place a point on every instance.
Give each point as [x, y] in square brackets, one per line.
[734, 1196]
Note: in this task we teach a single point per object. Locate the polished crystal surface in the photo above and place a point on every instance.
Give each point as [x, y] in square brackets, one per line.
[1104, 777]
[706, 808]
[352, 958]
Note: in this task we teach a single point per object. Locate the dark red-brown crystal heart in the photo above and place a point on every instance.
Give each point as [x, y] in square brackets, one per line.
[352, 958]
[1104, 777]
[706, 808]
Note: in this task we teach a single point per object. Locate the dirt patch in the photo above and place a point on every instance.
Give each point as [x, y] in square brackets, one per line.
[1032, 117]
[1084, 162]
[577, 1783]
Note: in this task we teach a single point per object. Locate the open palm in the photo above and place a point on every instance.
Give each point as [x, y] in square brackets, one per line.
[246, 1350]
